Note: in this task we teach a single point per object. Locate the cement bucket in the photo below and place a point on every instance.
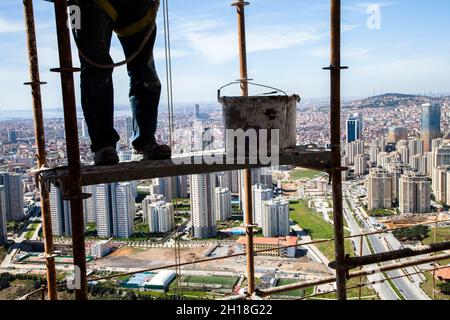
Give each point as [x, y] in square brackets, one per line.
[263, 112]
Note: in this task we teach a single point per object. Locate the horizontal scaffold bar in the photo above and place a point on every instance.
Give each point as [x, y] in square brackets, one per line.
[310, 158]
[351, 263]
[356, 274]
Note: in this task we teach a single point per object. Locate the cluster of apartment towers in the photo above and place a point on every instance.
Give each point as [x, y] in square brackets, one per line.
[112, 206]
[403, 172]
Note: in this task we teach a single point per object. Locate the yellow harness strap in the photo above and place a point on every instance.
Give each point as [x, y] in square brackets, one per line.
[138, 26]
[108, 8]
[134, 28]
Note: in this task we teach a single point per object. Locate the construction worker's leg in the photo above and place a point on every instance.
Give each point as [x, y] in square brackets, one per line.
[145, 87]
[97, 98]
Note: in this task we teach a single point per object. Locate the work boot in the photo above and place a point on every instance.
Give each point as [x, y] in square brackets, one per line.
[154, 151]
[106, 156]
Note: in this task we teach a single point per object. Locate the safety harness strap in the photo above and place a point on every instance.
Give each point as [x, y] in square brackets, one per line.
[134, 28]
[138, 26]
[108, 8]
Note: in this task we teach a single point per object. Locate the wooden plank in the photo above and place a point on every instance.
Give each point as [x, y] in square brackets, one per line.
[193, 164]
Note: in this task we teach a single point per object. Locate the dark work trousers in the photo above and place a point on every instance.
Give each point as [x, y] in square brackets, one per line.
[97, 94]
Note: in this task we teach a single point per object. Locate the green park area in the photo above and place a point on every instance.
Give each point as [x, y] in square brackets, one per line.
[299, 293]
[427, 286]
[383, 212]
[316, 227]
[299, 174]
[310, 221]
[442, 235]
[31, 229]
[214, 280]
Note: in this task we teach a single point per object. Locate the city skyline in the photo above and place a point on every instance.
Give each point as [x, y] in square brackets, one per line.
[205, 55]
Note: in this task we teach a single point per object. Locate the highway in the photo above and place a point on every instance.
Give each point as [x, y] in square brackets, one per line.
[409, 287]
[384, 290]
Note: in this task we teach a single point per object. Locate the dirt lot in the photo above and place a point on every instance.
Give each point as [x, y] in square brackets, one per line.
[148, 258]
[127, 257]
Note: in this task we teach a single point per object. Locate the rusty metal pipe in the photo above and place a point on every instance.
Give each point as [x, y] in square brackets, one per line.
[335, 118]
[39, 133]
[73, 149]
[306, 284]
[355, 262]
[240, 9]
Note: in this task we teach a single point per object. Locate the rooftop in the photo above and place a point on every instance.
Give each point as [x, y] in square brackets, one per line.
[282, 241]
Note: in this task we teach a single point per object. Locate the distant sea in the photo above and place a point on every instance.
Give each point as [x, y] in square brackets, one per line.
[120, 111]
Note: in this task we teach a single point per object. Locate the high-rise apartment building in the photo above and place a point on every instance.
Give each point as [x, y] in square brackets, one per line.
[115, 209]
[439, 183]
[160, 216]
[354, 149]
[415, 194]
[128, 130]
[275, 218]
[202, 205]
[12, 136]
[354, 127]
[396, 134]
[3, 226]
[223, 208]
[360, 165]
[379, 189]
[60, 213]
[415, 147]
[430, 124]
[396, 169]
[14, 195]
[260, 194]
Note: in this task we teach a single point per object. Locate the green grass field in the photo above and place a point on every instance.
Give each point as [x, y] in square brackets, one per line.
[31, 229]
[327, 248]
[427, 286]
[311, 221]
[295, 293]
[225, 281]
[304, 174]
[442, 234]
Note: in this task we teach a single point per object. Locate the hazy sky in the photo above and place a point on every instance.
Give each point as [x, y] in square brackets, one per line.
[288, 44]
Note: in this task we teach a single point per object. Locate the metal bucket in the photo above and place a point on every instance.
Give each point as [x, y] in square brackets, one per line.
[263, 112]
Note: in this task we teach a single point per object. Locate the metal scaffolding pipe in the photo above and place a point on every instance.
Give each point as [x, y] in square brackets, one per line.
[35, 83]
[336, 174]
[357, 274]
[73, 150]
[355, 262]
[240, 9]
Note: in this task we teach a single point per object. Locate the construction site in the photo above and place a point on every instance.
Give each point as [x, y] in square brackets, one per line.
[329, 253]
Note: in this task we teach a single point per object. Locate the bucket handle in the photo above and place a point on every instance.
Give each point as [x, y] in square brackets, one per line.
[252, 83]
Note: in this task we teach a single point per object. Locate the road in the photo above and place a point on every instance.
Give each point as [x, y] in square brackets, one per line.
[409, 287]
[383, 289]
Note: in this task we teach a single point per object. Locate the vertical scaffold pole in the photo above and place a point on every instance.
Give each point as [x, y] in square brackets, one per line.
[240, 8]
[335, 120]
[73, 149]
[35, 83]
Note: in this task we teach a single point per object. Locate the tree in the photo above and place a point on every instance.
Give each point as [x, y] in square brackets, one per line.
[416, 233]
[131, 296]
[4, 284]
[445, 287]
